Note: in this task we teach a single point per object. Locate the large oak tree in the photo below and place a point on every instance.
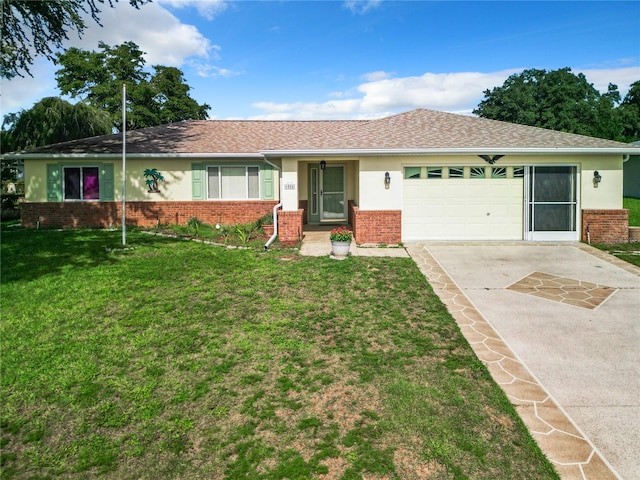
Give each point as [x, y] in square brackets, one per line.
[31, 27]
[560, 100]
[96, 78]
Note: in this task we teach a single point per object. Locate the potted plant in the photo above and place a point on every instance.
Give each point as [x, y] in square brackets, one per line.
[340, 241]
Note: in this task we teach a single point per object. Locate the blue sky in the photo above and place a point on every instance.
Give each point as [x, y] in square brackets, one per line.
[345, 59]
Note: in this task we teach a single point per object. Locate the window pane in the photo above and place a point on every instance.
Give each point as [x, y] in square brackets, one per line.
[412, 172]
[498, 172]
[554, 184]
[434, 172]
[72, 183]
[233, 182]
[554, 218]
[456, 172]
[90, 183]
[477, 172]
[518, 172]
[214, 182]
[253, 178]
[333, 179]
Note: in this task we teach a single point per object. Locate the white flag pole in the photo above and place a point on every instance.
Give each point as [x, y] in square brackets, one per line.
[124, 162]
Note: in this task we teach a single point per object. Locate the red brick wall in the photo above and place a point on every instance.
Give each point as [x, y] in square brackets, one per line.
[290, 226]
[144, 214]
[303, 204]
[376, 226]
[605, 226]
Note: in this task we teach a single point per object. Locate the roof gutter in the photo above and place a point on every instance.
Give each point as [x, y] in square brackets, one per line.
[453, 151]
[16, 156]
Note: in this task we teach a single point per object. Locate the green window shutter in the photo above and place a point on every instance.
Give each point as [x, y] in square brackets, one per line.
[106, 183]
[267, 183]
[54, 182]
[198, 181]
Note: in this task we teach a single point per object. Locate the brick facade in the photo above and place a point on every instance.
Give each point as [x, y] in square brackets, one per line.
[290, 226]
[143, 214]
[605, 226]
[376, 226]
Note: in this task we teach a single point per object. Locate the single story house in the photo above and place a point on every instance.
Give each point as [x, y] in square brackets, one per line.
[418, 175]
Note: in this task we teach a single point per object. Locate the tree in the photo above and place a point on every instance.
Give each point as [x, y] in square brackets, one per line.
[97, 78]
[39, 27]
[630, 113]
[557, 100]
[52, 120]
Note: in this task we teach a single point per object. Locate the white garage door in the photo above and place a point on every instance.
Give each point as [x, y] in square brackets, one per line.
[462, 209]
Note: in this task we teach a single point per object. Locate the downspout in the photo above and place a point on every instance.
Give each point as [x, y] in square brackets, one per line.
[275, 208]
[275, 226]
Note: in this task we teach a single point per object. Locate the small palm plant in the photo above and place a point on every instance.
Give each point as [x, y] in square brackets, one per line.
[152, 182]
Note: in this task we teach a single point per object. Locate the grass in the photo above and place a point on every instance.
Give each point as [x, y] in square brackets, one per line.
[629, 252]
[176, 359]
[633, 205]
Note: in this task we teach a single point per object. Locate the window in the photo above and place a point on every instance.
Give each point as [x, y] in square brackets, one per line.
[81, 183]
[456, 172]
[434, 172]
[518, 172]
[477, 172]
[498, 172]
[233, 182]
[412, 172]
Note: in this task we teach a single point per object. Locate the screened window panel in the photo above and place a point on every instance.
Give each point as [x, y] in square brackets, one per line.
[253, 179]
[233, 182]
[554, 184]
[214, 182]
[90, 183]
[72, 183]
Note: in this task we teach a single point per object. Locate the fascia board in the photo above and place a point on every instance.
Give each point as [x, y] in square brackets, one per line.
[28, 156]
[453, 151]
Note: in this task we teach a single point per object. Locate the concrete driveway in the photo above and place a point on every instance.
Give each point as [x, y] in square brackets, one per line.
[558, 325]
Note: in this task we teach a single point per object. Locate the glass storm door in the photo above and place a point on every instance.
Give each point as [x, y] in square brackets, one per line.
[327, 199]
[551, 203]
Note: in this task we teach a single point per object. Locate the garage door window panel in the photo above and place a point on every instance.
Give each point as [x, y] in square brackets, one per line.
[477, 172]
[412, 172]
[456, 172]
[434, 172]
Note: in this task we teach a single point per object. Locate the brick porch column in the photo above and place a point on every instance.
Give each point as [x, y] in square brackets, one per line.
[290, 226]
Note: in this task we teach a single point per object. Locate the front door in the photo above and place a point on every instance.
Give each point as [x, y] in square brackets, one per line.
[327, 196]
[551, 211]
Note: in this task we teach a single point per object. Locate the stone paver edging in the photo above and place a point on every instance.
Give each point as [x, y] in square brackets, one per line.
[572, 454]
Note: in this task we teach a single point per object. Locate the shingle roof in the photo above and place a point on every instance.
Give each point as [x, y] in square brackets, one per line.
[417, 129]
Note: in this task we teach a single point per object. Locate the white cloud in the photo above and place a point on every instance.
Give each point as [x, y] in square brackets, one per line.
[154, 29]
[360, 7]
[207, 70]
[165, 39]
[451, 92]
[208, 9]
[622, 77]
[374, 76]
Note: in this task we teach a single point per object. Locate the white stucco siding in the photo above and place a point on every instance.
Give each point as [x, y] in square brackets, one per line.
[372, 192]
[290, 184]
[609, 192]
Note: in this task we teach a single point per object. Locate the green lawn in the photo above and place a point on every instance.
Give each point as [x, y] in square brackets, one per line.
[629, 252]
[633, 204]
[176, 359]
